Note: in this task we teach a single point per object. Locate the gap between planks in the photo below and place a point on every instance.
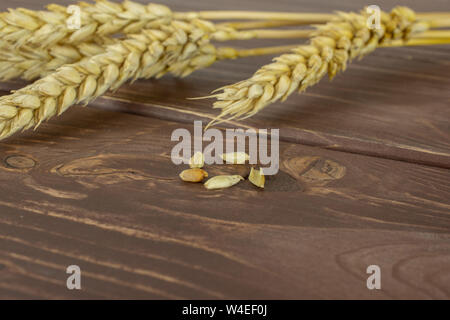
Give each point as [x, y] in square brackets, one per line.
[385, 150]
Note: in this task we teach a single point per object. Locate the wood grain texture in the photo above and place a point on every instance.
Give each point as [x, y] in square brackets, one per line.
[96, 188]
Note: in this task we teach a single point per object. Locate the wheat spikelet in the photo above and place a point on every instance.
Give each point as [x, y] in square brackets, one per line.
[330, 49]
[43, 28]
[180, 47]
[30, 63]
[33, 43]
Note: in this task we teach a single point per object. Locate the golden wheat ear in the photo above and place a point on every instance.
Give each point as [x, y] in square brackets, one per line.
[331, 47]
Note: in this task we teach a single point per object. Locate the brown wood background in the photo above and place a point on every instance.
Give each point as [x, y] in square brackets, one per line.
[364, 180]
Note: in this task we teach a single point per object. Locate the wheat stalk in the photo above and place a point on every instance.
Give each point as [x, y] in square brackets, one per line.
[34, 43]
[281, 18]
[180, 47]
[415, 41]
[330, 49]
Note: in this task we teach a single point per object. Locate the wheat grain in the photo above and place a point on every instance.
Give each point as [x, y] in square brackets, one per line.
[197, 160]
[330, 49]
[193, 175]
[235, 157]
[179, 47]
[223, 181]
[33, 43]
[257, 178]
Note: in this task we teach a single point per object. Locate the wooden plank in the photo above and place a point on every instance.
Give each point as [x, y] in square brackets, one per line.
[393, 104]
[97, 189]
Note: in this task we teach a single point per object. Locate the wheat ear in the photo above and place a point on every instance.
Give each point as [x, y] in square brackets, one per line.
[34, 43]
[330, 49]
[180, 47]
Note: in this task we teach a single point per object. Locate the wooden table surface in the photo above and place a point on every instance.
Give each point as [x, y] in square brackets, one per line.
[364, 180]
